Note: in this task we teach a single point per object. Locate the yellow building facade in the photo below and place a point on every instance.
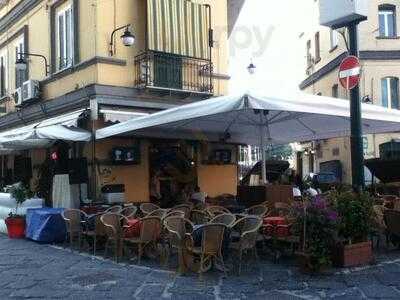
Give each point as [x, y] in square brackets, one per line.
[179, 55]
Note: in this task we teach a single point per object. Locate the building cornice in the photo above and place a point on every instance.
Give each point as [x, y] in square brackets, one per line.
[323, 71]
[16, 13]
[333, 64]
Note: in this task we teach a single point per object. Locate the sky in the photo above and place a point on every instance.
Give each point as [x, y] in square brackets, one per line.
[272, 42]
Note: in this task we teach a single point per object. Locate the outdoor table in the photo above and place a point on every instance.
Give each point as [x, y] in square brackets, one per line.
[45, 225]
[276, 226]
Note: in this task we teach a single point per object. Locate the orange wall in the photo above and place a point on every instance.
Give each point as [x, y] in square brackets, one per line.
[134, 177]
[217, 179]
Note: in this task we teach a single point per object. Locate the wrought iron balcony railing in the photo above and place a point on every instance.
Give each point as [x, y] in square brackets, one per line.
[171, 72]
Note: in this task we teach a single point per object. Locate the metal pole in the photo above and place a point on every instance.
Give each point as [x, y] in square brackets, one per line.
[357, 153]
[263, 157]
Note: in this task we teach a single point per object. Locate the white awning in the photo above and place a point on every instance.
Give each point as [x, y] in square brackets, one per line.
[281, 119]
[114, 116]
[45, 133]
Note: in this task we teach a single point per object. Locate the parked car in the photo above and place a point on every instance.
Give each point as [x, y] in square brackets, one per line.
[322, 181]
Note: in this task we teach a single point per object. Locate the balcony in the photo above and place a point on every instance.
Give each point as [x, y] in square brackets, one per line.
[171, 73]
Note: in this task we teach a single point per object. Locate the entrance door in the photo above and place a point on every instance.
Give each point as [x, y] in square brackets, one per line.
[172, 171]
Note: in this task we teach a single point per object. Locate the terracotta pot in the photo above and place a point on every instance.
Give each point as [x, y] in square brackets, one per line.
[15, 227]
[353, 255]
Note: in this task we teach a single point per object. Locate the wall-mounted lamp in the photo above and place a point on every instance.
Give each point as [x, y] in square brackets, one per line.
[128, 39]
[22, 65]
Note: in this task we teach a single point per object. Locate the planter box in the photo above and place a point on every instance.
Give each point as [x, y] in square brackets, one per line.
[16, 228]
[354, 255]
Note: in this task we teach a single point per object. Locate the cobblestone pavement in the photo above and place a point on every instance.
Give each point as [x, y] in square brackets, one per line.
[29, 270]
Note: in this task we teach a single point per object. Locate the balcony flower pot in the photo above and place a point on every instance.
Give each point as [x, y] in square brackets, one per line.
[353, 255]
[16, 227]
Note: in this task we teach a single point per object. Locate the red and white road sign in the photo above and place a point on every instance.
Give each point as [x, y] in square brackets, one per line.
[350, 72]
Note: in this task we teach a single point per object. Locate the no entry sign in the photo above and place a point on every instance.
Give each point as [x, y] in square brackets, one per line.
[349, 72]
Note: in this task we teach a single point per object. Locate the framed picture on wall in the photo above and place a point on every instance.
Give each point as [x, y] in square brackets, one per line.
[126, 155]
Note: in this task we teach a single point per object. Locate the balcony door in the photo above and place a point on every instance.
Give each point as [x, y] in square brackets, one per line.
[168, 71]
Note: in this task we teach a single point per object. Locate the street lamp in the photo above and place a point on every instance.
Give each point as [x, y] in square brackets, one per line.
[21, 63]
[251, 68]
[128, 39]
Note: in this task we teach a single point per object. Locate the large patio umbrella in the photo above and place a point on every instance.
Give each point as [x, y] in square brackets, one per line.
[256, 119]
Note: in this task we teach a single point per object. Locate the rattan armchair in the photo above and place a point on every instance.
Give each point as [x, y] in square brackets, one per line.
[177, 228]
[186, 208]
[114, 233]
[248, 230]
[211, 246]
[129, 211]
[257, 210]
[392, 222]
[148, 207]
[116, 209]
[95, 230]
[74, 221]
[160, 213]
[150, 231]
[199, 217]
[280, 209]
[227, 219]
[217, 210]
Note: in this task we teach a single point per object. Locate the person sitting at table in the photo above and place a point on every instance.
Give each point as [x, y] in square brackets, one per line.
[198, 197]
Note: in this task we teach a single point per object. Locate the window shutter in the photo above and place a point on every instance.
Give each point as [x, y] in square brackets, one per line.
[2, 79]
[61, 41]
[394, 92]
[385, 94]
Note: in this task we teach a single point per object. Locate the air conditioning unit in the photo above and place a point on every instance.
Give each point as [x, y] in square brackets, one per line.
[30, 90]
[18, 96]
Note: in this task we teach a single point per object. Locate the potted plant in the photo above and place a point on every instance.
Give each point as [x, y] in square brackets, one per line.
[15, 222]
[356, 218]
[316, 224]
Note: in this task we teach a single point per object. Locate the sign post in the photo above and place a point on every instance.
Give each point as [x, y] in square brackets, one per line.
[356, 141]
[349, 13]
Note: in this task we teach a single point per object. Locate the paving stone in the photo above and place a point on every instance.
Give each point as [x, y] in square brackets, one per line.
[379, 291]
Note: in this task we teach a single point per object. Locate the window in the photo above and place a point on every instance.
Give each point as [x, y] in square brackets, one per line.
[20, 75]
[3, 74]
[64, 38]
[309, 58]
[387, 20]
[390, 92]
[335, 91]
[317, 48]
[334, 39]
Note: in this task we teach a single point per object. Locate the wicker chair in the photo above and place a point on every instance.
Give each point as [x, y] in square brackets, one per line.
[211, 245]
[160, 213]
[174, 213]
[177, 228]
[199, 217]
[186, 208]
[148, 207]
[150, 231]
[74, 221]
[248, 229]
[257, 210]
[217, 210]
[392, 222]
[280, 209]
[114, 233]
[129, 212]
[227, 219]
[95, 230]
[116, 209]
